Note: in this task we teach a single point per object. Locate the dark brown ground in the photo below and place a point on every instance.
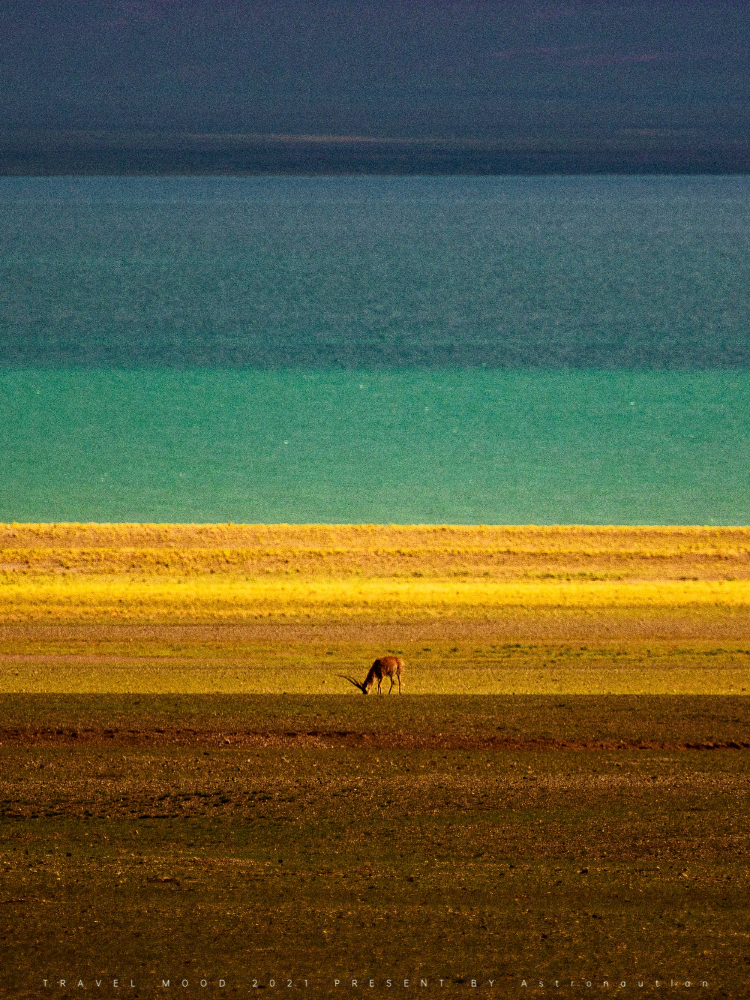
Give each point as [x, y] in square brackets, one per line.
[177, 837]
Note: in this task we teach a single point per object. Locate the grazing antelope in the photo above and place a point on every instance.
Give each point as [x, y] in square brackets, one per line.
[384, 666]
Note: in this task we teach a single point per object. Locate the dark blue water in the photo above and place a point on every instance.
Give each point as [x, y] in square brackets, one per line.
[496, 350]
[583, 272]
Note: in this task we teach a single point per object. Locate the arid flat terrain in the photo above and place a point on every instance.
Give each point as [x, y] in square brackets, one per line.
[190, 790]
[313, 838]
[286, 608]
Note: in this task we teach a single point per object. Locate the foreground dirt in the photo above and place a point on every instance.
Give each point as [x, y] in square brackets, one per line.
[327, 741]
[271, 840]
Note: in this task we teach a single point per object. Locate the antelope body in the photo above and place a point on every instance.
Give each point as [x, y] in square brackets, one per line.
[384, 666]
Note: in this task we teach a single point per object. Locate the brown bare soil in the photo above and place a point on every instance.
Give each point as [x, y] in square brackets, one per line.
[328, 740]
[277, 839]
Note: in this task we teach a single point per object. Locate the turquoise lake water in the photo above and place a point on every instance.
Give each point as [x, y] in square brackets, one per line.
[476, 446]
[456, 350]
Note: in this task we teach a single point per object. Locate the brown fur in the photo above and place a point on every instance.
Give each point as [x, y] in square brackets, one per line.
[384, 666]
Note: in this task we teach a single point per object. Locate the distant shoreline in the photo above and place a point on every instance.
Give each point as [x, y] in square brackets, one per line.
[228, 155]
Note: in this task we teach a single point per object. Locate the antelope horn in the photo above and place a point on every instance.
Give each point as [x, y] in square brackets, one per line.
[352, 681]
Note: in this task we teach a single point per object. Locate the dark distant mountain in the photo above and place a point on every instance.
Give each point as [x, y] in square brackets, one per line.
[384, 86]
[124, 153]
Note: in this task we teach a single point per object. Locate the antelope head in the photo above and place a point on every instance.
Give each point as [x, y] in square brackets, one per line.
[351, 680]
